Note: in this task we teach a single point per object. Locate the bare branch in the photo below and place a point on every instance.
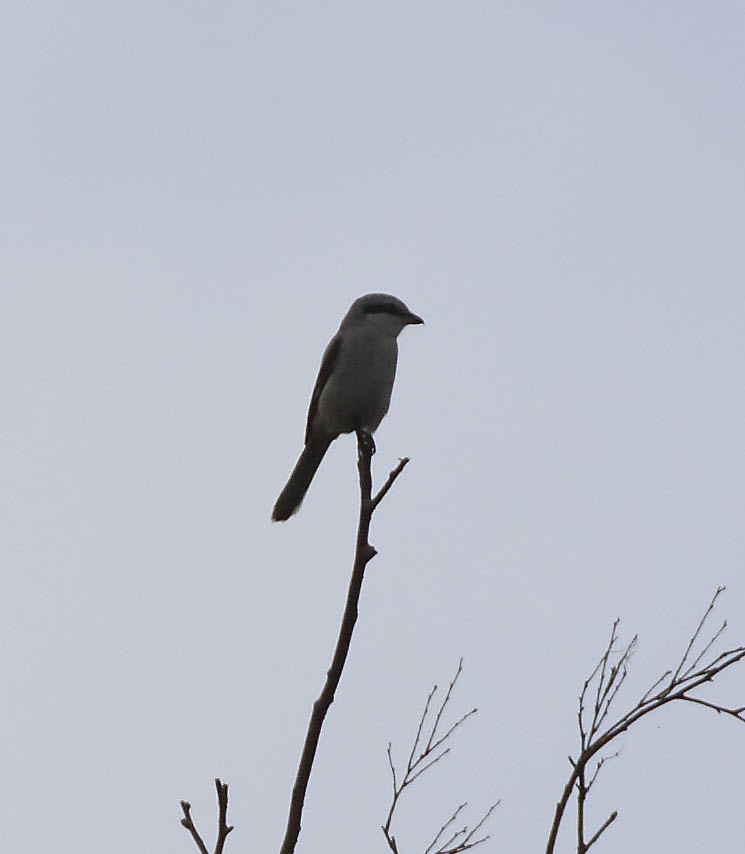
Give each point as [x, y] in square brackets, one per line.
[364, 553]
[693, 671]
[420, 760]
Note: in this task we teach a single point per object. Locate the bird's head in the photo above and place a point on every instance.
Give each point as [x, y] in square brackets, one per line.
[383, 310]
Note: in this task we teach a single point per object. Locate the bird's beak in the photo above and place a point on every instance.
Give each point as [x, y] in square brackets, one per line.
[413, 318]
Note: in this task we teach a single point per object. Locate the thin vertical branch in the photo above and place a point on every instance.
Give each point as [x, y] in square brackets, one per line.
[364, 553]
[222, 822]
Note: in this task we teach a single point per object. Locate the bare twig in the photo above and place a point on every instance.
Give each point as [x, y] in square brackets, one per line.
[722, 710]
[601, 762]
[467, 843]
[402, 463]
[445, 826]
[425, 752]
[696, 634]
[188, 823]
[364, 553]
[603, 827]
[223, 829]
[694, 670]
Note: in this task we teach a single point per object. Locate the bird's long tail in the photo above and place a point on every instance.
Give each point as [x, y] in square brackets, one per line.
[292, 495]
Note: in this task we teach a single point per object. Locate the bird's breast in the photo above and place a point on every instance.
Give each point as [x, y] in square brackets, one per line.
[358, 392]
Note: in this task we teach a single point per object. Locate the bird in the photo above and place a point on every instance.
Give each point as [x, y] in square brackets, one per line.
[353, 388]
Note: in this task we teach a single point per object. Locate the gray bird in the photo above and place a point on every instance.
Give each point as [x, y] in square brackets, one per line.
[353, 388]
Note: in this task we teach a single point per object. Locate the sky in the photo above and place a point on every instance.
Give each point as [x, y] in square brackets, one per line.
[192, 196]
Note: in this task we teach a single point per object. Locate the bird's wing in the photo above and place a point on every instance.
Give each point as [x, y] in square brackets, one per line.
[329, 360]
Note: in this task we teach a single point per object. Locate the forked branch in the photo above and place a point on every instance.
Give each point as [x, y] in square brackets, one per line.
[223, 829]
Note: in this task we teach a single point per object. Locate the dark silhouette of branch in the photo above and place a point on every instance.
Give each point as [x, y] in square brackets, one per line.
[364, 553]
[601, 689]
[425, 752]
[223, 829]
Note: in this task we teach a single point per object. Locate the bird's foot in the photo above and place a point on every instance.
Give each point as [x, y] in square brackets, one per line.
[365, 443]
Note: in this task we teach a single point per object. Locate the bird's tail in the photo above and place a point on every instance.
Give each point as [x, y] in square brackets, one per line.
[292, 495]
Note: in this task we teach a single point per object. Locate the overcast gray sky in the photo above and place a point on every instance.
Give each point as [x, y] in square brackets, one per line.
[192, 196]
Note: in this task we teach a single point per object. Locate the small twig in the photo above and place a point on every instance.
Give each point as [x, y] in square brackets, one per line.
[622, 669]
[714, 638]
[452, 729]
[426, 767]
[402, 463]
[410, 764]
[695, 635]
[444, 703]
[392, 767]
[722, 710]
[601, 762]
[603, 666]
[445, 827]
[603, 827]
[654, 685]
[223, 829]
[467, 841]
[478, 827]
[188, 823]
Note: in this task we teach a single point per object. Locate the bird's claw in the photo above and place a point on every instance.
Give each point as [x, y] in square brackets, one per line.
[366, 442]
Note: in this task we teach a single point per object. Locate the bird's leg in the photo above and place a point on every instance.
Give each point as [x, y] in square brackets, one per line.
[365, 442]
